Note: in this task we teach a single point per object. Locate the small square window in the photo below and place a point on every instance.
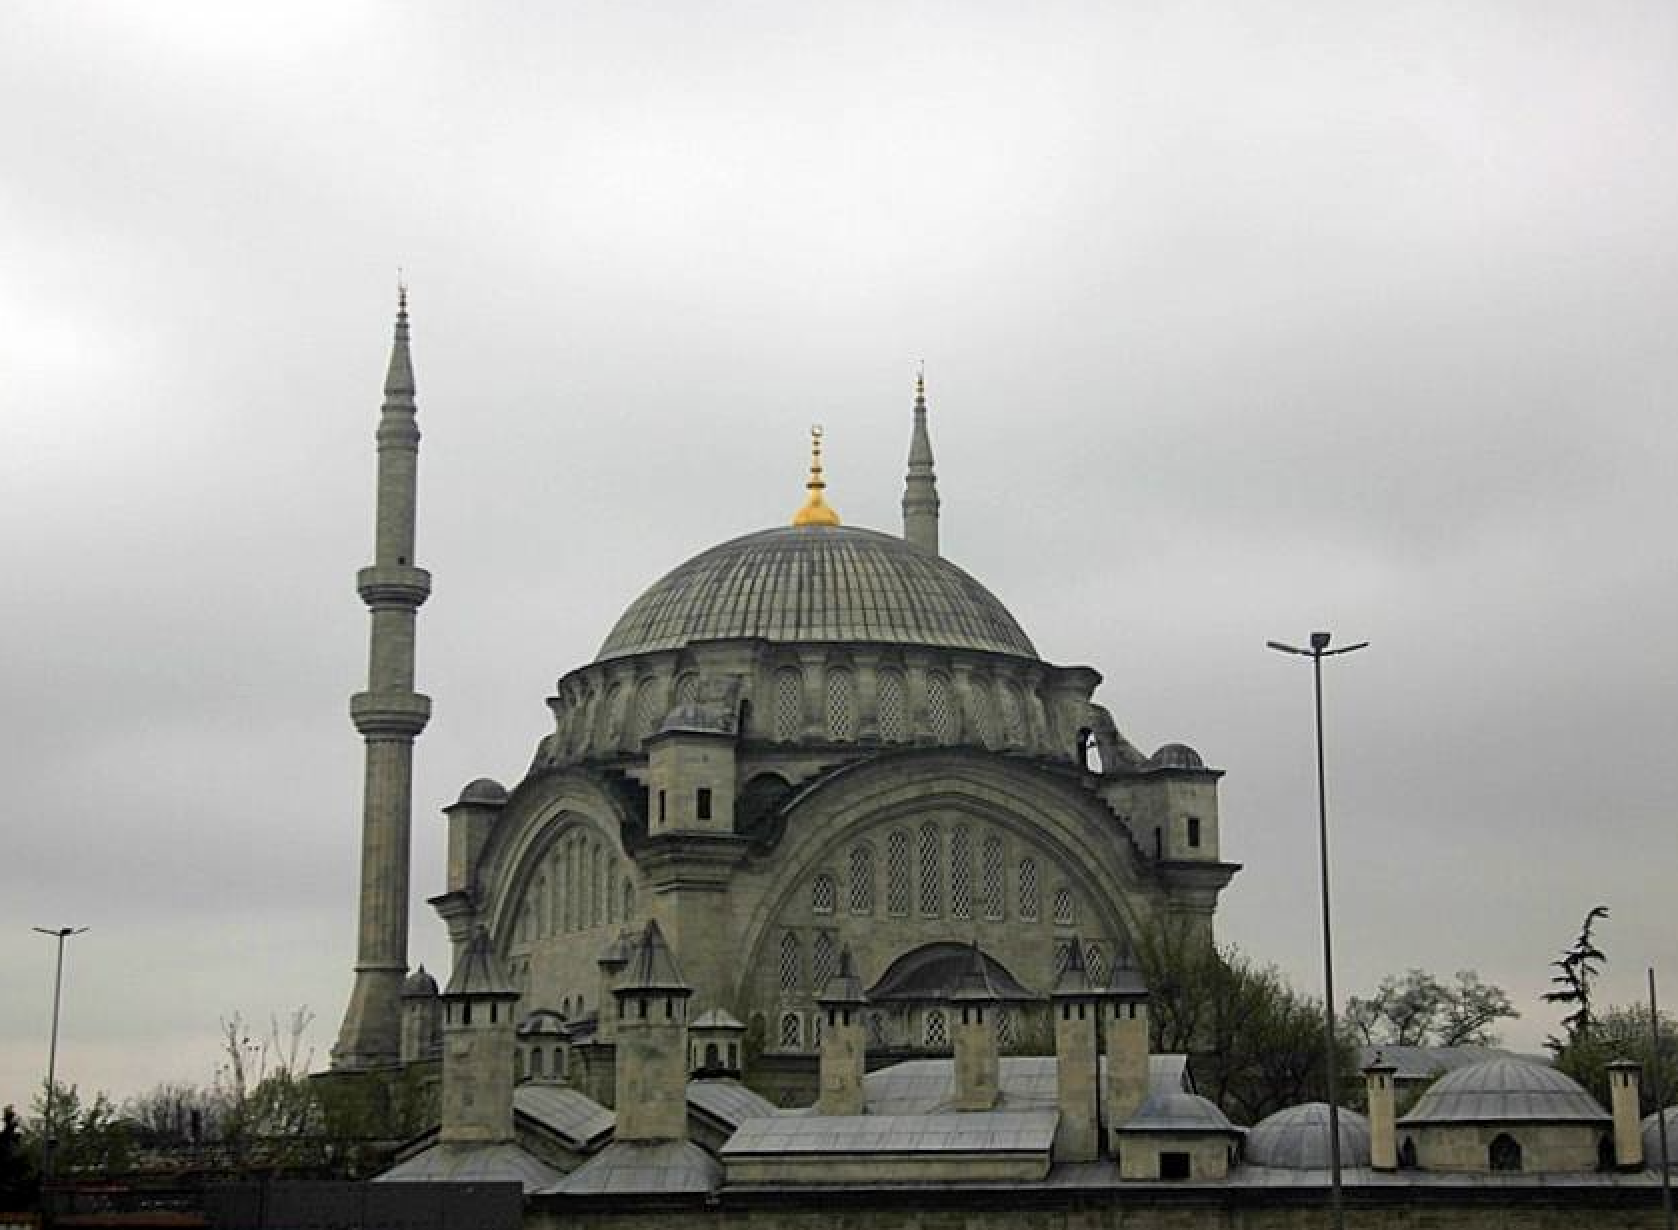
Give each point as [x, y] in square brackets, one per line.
[1173, 1165]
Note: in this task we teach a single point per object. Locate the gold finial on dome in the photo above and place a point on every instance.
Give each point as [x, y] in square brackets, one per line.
[815, 510]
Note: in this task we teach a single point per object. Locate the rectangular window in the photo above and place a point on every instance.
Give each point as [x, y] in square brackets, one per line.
[704, 804]
[1173, 1165]
[1194, 832]
[661, 807]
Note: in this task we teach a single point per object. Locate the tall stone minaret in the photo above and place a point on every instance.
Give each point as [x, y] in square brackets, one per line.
[389, 714]
[920, 489]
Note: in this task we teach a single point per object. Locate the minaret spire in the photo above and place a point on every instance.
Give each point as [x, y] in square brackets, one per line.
[389, 715]
[920, 489]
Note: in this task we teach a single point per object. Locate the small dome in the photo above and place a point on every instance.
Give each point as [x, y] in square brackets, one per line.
[486, 791]
[418, 984]
[1297, 1138]
[1175, 1110]
[817, 584]
[1652, 1140]
[1176, 756]
[1506, 1090]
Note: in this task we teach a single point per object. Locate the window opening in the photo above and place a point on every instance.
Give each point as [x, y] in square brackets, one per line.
[897, 873]
[862, 879]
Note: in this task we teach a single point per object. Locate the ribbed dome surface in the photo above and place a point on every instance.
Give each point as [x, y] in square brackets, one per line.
[804, 584]
[1505, 1089]
[1297, 1138]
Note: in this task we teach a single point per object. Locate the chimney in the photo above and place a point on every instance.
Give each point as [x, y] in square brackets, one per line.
[978, 1068]
[1076, 1006]
[844, 1051]
[1383, 1113]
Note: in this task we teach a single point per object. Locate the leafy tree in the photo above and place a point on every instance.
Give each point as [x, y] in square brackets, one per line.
[19, 1184]
[1420, 1010]
[92, 1139]
[1255, 1044]
[1576, 969]
[1622, 1032]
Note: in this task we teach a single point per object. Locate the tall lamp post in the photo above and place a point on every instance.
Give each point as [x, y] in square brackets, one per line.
[1318, 651]
[50, 1145]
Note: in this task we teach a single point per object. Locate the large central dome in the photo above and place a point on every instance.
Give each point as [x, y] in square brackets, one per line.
[818, 583]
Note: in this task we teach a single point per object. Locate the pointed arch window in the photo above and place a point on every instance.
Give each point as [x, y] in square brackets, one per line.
[961, 873]
[940, 709]
[893, 723]
[792, 962]
[789, 705]
[931, 877]
[841, 706]
[862, 879]
[1029, 903]
[897, 873]
[991, 878]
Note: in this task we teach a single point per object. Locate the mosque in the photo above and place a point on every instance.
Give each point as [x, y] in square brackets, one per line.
[823, 886]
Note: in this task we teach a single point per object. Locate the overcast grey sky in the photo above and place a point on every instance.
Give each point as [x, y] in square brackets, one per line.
[1239, 320]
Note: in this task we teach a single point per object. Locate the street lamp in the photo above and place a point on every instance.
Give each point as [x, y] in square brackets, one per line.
[1318, 651]
[50, 1145]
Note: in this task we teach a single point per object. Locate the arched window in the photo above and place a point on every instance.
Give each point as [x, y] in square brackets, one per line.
[931, 855]
[815, 1030]
[713, 1058]
[1066, 913]
[536, 1063]
[991, 881]
[608, 892]
[1095, 961]
[961, 874]
[789, 705]
[894, 727]
[823, 961]
[940, 709]
[1028, 889]
[841, 706]
[560, 1067]
[824, 894]
[791, 962]
[585, 906]
[935, 1028]
[628, 901]
[983, 725]
[1063, 955]
[897, 873]
[687, 688]
[792, 1031]
[611, 716]
[1504, 1152]
[1407, 1154]
[1007, 1027]
[568, 863]
[862, 878]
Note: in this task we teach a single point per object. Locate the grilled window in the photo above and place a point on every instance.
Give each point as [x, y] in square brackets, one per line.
[789, 705]
[792, 962]
[992, 878]
[822, 959]
[940, 711]
[893, 726]
[841, 706]
[897, 873]
[823, 893]
[931, 874]
[935, 1028]
[1065, 912]
[862, 879]
[1028, 889]
[961, 874]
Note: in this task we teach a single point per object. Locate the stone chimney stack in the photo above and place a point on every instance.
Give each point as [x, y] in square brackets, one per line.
[1076, 1006]
[611, 963]
[978, 1068]
[652, 1052]
[478, 1048]
[844, 1050]
[1126, 1030]
[1382, 1096]
[1623, 1081]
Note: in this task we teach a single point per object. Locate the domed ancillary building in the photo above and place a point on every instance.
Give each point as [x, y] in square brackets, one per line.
[810, 739]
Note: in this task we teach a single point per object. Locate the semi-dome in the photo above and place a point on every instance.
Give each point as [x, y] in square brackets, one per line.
[818, 583]
[1652, 1139]
[1506, 1090]
[1297, 1138]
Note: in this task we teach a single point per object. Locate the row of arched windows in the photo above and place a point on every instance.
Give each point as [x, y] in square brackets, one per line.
[800, 1031]
[579, 886]
[975, 870]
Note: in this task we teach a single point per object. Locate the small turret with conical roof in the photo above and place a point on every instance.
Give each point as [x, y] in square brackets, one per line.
[422, 1017]
[844, 1047]
[478, 1047]
[1077, 1012]
[651, 1041]
[920, 488]
[978, 1066]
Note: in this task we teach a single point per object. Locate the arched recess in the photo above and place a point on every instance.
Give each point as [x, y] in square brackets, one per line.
[555, 809]
[868, 800]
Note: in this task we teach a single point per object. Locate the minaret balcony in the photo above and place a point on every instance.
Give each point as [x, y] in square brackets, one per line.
[399, 714]
[393, 585]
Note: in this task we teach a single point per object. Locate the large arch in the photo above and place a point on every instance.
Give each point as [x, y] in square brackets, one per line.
[1094, 853]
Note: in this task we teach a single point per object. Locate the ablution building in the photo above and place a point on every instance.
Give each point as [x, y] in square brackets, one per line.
[820, 893]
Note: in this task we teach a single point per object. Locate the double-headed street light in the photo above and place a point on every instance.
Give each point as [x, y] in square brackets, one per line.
[1318, 651]
[50, 1145]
